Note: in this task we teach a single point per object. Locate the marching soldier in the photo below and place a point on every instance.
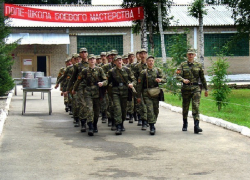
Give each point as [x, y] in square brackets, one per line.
[122, 79]
[93, 78]
[189, 73]
[106, 68]
[141, 109]
[104, 58]
[150, 78]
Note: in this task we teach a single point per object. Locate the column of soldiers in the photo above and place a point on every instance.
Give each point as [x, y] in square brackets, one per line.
[113, 86]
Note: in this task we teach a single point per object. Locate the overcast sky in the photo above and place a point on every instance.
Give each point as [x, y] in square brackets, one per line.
[118, 2]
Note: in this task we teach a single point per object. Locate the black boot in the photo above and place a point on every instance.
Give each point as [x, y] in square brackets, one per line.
[118, 130]
[185, 125]
[95, 125]
[152, 129]
[109, 122]
[127, 116]
[83, 125]
[135, 116]
[66, 108]
[113, 128]
[104, 118]
[76, 122]
[91, 129]
[131, 118]
[122, 126]
[197, 129]
[139, 120]
[144, 125]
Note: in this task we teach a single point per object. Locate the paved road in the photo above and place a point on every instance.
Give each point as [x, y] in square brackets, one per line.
[41, 146]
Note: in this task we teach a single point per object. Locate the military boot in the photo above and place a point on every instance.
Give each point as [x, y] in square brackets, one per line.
[197, 129]
[95, 125]
[66, 108]
[118, 130]
[144, 125]
[77, 122]
[152, 129]
[113, 128]
[131, 118]
[185, 125]
[91, 129]
[109, 122]
[127, 116]
[104, 118]
[135, 116]
[139, 120]
[83, 125]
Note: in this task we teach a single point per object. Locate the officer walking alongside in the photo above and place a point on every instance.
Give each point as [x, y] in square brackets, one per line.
[190, 73]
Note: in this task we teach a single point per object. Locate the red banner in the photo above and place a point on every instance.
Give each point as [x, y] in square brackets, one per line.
[35, 14]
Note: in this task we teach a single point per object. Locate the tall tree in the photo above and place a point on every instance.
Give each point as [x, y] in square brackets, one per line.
[150, 22]
[241, 14]
[6, 82]
[198, 11]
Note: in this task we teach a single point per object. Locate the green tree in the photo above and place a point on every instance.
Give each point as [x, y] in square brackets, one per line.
[6, 81]
[198, 11]
[150, 22]
[218, 73]
[241, 14]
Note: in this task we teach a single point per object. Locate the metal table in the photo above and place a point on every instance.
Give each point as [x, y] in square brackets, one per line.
[42, 90]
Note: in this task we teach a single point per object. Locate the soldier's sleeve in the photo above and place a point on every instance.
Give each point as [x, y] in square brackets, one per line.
[131, 78]
[140, 84]
[80, 78]
[73, 78]
[161, 76]
[202, 78]
[110, 77]
[63, 77]
[179, 74]
[104, 77]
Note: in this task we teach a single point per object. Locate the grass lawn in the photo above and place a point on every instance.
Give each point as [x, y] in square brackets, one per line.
[237, 111]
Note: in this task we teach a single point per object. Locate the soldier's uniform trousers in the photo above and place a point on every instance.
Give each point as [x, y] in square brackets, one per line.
[120, 106]
[92, 108]
[187, 96]
[152, 107]
[130, 106]
[75, 106]
[82, 104]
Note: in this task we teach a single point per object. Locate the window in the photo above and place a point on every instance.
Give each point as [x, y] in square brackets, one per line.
[213, 43]
[98, 44]
[168, 38]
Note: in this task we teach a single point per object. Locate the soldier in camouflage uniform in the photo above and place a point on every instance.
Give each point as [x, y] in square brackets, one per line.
[141, 109]
[111, 56]
[125, 59]
[61, 72]
[93, 78]
[122, 80]
[78, 67]
[150, 78]
[190, 73]
[104, 58]
[130, 104]
[66, 76]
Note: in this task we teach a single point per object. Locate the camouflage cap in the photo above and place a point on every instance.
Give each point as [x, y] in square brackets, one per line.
[191, 51]
[67, 59]
[150, 56]
[113, 51]
[108, 53]
[90, 56]
[137, 51]
[83, 50]
[130, 53]
[75, 55]
[98, 57]
[125, 56]
[143, 50]
[117, 57]
[103, 54]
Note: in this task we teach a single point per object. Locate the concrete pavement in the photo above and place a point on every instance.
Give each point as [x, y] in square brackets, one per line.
[42, 146]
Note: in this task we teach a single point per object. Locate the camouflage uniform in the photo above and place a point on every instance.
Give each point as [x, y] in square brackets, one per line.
[147, 78]
[141, 108]
[61, 72]
[120, 78]
[90, 78]
[193, 72]
[130, 104]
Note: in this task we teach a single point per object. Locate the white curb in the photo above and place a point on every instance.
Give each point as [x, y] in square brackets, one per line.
[216, 121]
[4, 112]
